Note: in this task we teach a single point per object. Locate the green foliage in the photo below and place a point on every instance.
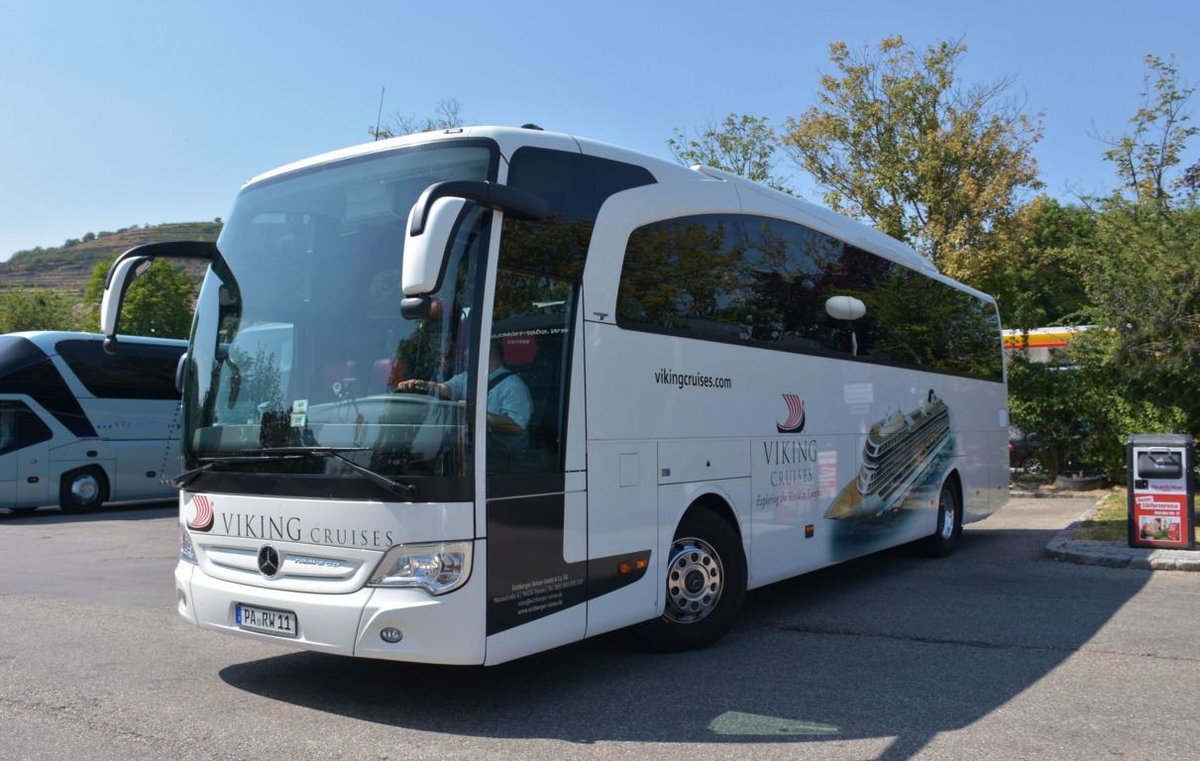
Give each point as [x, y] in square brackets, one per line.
[1136, 256]
[1037, 281]
[897, 140]
[1084, 411]
[1160, 131]
[35, 309]
[158, 303]
[1142, 278]
[741, 144]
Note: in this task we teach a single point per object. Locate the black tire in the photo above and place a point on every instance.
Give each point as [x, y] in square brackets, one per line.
[705, 585]
[82, 490]
[949, 523]
[1032, 465]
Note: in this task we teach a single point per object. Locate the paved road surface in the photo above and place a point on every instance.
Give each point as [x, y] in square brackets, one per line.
[995, 652]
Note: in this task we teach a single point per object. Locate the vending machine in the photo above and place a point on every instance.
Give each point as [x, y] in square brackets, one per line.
[1162, 511]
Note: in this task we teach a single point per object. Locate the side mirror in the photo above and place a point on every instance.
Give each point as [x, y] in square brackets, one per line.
[431, 224]
[134, 262]
[424, 251]
[120, 275]
[181, 371]
[845, 308]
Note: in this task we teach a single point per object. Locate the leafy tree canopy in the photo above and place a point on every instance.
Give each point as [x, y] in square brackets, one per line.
[741, 144]
[158, 303]
[35, 309]
[897, 140]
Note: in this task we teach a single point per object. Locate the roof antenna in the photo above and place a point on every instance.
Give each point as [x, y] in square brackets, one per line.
[379, 115]
[531, 125]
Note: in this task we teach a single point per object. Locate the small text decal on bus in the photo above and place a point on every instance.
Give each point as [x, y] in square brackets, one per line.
[795, 418]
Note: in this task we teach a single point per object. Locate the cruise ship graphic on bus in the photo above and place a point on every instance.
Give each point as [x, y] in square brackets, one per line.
[899, 450]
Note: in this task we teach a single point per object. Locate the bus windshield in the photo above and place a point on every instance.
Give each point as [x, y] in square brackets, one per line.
[300, 342]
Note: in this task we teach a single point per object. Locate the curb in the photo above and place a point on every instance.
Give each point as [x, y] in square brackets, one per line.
[1114, 554]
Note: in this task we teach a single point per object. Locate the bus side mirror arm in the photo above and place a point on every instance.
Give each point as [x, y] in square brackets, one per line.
[126, 267]
[432, 223]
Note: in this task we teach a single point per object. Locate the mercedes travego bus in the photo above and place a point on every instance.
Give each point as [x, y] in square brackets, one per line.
[463, 396]
[79, 427]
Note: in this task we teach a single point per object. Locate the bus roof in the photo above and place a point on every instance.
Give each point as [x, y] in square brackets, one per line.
[756, 198]
[46, 339]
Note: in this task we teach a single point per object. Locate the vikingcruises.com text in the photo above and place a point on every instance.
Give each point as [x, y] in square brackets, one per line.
[665, 377]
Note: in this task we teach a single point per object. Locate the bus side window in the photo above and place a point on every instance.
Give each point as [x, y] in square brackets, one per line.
[20, 427]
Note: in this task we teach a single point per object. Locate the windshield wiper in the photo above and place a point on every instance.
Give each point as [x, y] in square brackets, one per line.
[187, 476]
[395, 487]
[277, 454]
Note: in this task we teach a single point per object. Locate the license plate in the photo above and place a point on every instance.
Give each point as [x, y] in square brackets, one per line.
[281, 623]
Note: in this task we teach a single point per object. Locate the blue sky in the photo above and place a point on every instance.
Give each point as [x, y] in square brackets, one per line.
[124, 112]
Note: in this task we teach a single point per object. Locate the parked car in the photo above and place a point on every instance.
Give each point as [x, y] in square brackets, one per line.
[1025, 452]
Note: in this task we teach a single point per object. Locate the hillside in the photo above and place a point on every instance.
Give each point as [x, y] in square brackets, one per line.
[66, 268]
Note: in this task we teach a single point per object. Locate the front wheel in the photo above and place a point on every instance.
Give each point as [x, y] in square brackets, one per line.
[82, 490]
[705, 585]
[949, 523]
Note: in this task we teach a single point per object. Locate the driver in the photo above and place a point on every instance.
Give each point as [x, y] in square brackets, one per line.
[509, 405]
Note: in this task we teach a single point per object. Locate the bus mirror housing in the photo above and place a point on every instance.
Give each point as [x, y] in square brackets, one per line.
[424, 251]
[431, 225]
[126, 267]
[120, 275]
[181, 371]
[845, 308]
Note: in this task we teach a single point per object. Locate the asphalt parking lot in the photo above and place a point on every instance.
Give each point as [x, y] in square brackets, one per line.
[995, 652]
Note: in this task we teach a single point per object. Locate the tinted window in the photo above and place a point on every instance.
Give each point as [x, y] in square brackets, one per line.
[767, 282]
[20, 427]
[25, 369]
[136, 371]
[537, 289]
[575, 187]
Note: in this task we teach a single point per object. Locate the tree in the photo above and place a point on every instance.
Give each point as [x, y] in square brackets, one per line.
[1144, 156]
[447, 115]
[1144, 278]
[158, 303]
[898, 141]
[1037, 278]
[1138, 370]
[741, 144]
[34, 309]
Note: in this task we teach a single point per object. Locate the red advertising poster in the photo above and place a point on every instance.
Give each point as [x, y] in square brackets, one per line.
[1160, 520]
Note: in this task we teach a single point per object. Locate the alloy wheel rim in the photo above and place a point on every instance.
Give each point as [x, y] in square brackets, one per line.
[695, 581]
[85, 488]
[947, 512]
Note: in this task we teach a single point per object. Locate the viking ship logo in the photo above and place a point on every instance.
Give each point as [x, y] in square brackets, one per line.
[795, 418]
[202, 518]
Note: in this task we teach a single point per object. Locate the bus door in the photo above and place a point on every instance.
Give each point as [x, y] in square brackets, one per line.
[541, 575]
[536, 498]
[24, 456]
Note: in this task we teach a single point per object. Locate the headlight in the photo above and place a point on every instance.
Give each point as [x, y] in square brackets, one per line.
[437, 568]
[187, 552]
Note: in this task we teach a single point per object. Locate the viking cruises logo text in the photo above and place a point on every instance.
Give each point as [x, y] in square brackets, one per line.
[795, 418]
[202, 520]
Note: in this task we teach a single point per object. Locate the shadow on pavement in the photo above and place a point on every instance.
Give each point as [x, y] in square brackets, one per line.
[130, 511]
[890, 647]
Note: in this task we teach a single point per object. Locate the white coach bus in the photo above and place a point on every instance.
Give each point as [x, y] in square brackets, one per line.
[461, 397]
[80, 427]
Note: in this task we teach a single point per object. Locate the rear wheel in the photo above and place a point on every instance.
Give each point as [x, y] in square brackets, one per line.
[82, 490]
[949, 523]
[705, 585]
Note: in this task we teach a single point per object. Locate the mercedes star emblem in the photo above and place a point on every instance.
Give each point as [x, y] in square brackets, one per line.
[268, 560]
